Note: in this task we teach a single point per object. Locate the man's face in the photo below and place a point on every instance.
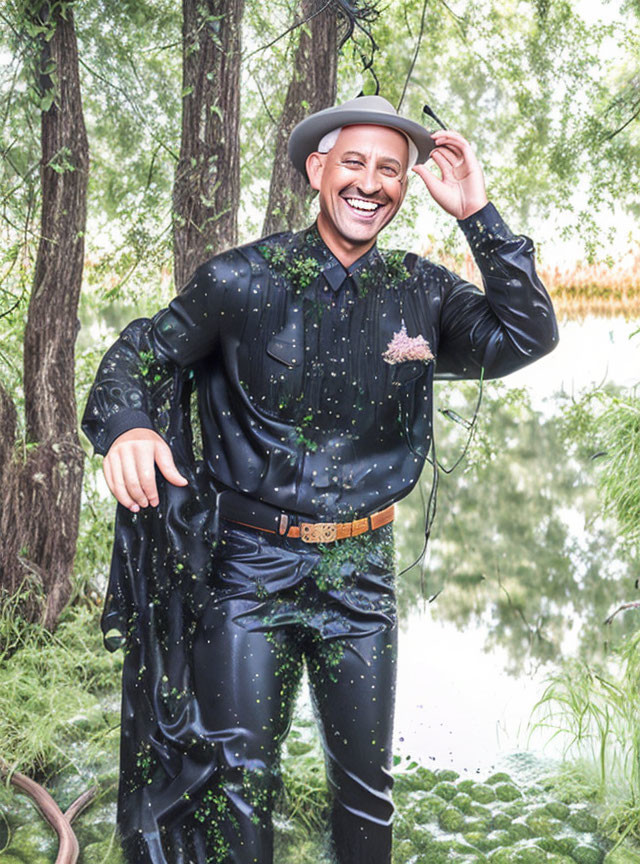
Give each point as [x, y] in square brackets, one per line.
[362, 181]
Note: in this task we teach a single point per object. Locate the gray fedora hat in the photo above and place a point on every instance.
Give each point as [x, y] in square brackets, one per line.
[306, 136]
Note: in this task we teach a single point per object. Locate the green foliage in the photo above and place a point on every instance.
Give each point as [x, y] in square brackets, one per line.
[595, 710]
[50, 684]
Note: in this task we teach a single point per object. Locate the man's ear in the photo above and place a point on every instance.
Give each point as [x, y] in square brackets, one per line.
[314, 166]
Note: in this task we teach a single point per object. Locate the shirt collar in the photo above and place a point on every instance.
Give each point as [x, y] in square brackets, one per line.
[334, 272]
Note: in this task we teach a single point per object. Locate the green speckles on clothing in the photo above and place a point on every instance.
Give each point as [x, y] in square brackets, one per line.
[356, 553]
[300, 269]
[145, 765]
[326, 657]
[258, 792]
[213, 811]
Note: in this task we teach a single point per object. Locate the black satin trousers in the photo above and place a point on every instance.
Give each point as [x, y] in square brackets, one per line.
[276, 605]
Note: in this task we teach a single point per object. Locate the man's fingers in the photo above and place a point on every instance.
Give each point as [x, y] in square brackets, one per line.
[108, 474]
[444, 163]
[446, 152]
[164, 460]
[119, 488]
[147, 474]
[434, 184]
[129, 460]
[443, 136]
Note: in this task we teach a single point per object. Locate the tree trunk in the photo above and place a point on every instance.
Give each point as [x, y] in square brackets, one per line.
[41, 486]
[312, 88]
[206, 190]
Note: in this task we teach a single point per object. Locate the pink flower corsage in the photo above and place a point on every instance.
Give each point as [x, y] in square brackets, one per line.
[403, 347]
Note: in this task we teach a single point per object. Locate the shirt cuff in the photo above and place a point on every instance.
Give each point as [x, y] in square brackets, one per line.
[121, 422]
[485, 228]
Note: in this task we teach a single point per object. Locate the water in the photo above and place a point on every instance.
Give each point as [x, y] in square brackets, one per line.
[528, 569]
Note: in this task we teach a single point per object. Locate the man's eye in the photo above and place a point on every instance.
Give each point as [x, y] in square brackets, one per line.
[352, 162]
[391, 172]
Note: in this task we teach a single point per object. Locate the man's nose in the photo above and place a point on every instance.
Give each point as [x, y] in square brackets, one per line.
[369, 182]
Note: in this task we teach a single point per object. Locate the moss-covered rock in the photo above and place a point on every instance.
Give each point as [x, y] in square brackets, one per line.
[483, 793]
[582, 820]
[542, 823]
[587, 854]
[507, 792]
[481, 823]
[466, 786]
[530, 855]
[445, 790]
[479, 811]
[502, 821]
[477, 839]
[447, 775]
[558, 845]
[404, 852]
[515, 809]
[463, 802]
[488, 842]
[500, 777]
[428, 807]
[419, 779]
[451, 819]
[519, 831]
[557, 809]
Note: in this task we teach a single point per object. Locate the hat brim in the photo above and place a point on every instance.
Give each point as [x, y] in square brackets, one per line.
[306, 136]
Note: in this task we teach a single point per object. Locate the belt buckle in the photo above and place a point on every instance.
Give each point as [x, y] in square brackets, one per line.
[318, 532]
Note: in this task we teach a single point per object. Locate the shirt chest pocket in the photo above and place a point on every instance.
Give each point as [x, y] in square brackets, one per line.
[274, 369]
[407, 373]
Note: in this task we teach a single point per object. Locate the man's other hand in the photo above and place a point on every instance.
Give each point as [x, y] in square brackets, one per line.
[461, 190]
[129, 468]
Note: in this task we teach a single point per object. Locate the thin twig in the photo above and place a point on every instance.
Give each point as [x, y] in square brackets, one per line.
[415, 54]
[633, 604]
[294, 26]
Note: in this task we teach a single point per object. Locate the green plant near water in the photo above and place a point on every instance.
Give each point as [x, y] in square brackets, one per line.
[596, 711]
[620, 482]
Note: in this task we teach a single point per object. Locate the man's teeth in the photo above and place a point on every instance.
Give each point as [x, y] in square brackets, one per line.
[359, 204]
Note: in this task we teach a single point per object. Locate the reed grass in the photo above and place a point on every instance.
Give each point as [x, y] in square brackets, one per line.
[595, 711]
[578, 289]
[619, 483]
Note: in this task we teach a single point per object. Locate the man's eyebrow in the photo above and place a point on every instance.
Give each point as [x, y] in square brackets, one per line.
[362, 156]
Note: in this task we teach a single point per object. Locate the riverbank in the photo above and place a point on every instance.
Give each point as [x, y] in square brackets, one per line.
[440, 816]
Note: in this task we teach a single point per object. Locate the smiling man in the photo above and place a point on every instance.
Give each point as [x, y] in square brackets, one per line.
[312, 355]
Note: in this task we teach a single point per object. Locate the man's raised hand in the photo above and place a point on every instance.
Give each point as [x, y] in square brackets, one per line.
[129, 467]
[461, 190]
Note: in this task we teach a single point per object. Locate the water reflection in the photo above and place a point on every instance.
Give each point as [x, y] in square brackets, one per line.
[518, 541]
[524, 567]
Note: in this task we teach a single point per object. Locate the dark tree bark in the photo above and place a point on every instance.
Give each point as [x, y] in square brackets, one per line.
[206, 189]
[41, 482]
[312, 88]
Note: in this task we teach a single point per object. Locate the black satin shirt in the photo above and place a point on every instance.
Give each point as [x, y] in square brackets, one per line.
[298, 406]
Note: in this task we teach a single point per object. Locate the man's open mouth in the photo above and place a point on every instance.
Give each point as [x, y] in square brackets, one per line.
[362, 206]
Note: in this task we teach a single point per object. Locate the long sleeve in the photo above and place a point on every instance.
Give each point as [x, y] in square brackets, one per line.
[508, 326]
[149, 351]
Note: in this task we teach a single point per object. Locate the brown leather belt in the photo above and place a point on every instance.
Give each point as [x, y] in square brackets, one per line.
[235, 507]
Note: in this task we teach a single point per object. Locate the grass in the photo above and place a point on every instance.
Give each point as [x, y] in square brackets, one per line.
[596, 713]
[50, 684]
